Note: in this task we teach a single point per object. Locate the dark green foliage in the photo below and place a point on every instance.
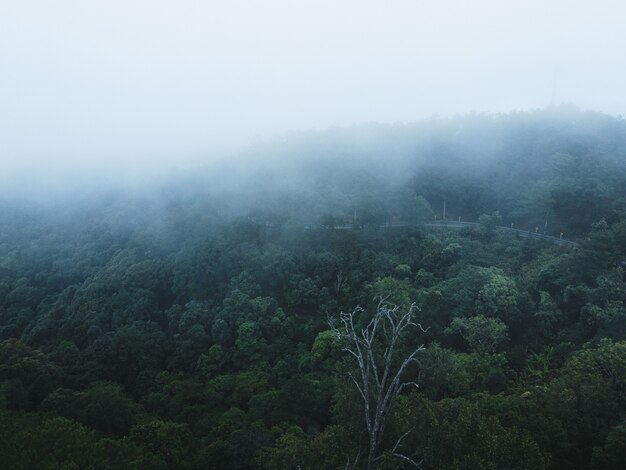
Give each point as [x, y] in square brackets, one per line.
[33, 441]
[189, 329]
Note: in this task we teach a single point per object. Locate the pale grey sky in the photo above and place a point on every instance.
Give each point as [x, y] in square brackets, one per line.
[152, 83]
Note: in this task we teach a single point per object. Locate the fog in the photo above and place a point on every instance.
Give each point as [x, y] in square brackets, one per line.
[124, 90]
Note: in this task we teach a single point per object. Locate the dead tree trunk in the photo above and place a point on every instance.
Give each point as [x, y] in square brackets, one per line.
[380, 376]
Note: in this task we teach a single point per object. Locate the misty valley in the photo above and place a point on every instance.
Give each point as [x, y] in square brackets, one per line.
[447, 294]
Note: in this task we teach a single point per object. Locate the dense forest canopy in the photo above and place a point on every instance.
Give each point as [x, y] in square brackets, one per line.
[189, 324]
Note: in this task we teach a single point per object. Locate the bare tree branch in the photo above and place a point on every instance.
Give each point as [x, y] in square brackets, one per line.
[379, 381]
[400, 440]
[407, 459]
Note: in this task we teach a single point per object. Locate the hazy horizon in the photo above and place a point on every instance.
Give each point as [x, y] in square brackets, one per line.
[139, 87]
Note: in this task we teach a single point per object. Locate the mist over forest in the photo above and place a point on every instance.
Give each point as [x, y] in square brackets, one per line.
[209, 319]
[312, 235]
[560, 165]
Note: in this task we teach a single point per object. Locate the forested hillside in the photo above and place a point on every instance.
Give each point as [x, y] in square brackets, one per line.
[193, 324]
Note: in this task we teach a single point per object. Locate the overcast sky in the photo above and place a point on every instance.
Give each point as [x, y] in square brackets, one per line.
[151, 83]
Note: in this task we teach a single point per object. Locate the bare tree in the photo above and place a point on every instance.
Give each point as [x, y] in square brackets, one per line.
[380, 377]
